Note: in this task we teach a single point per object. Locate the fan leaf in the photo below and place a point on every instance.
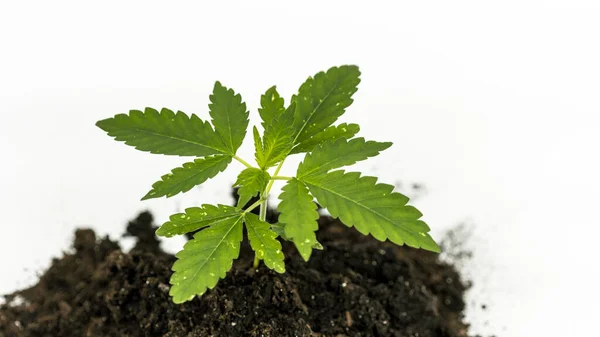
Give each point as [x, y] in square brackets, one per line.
[264, 242]
[339, 153]
[370, 207]
[298, 214]
[322, 99]
[279, 228]
[206, 259]
[195, 218]
[277, 143]
[229, 116]
[259, 153]
[166, 133]
[272, 106]
[332, 133]
[251, 182]
[278, 132]
[183, 179]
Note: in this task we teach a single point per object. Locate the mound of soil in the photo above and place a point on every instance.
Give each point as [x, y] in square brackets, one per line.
[356, 286]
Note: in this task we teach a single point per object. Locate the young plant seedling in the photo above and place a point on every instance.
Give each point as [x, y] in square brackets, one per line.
[304, 126]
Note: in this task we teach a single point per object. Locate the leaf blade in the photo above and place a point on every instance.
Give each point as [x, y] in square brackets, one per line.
[264, 242]
[251, 182]
[165, 133]
[259, 154]
[322, 99]
[298, 214]
[370, 207]
[279, 228]
[183, 179]
[195, 218]
[276, 122]
[339, 153]
[332, 133]
[229, 116]
[272, 106]
[206, 259]
[276, 145]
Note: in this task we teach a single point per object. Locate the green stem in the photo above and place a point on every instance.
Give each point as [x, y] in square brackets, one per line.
[262, 216]
[242, 161]
[281, 178]
[256, 261]
[262, 202]
[268, 189]
[263, 211]
[253, 206]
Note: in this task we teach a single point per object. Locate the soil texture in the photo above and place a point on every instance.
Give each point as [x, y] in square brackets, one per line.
[356, 286]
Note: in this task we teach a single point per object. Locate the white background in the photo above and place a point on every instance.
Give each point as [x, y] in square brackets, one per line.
[492, 105]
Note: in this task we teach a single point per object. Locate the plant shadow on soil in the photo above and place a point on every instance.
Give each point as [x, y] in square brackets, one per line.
[356, 286]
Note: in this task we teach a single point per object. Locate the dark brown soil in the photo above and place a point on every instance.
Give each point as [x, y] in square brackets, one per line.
[357, 286]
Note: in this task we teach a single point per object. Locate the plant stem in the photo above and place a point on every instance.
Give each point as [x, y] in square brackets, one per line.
[262, 216]
[263, 203]
[242, 161]
[263, 210]
[268, 189]
[253, 206]
[281, 178]
[256, 261]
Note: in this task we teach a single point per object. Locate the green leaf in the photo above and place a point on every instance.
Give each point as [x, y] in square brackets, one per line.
[272, 106]
[264, 242]
[259, 154]
[273, 112]
[195, 218]
[182, 179]
[342, 152]
[298, 214]
[251, 181]
[370, 207]
[206, 259]
[164, 133]
[332, 133]
[277, 143]
[277, 123]
[287, 118]
[279, 228]
[229, 116]
[322, 99]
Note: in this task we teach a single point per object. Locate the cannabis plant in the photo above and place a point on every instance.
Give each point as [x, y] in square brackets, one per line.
[304, 126]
